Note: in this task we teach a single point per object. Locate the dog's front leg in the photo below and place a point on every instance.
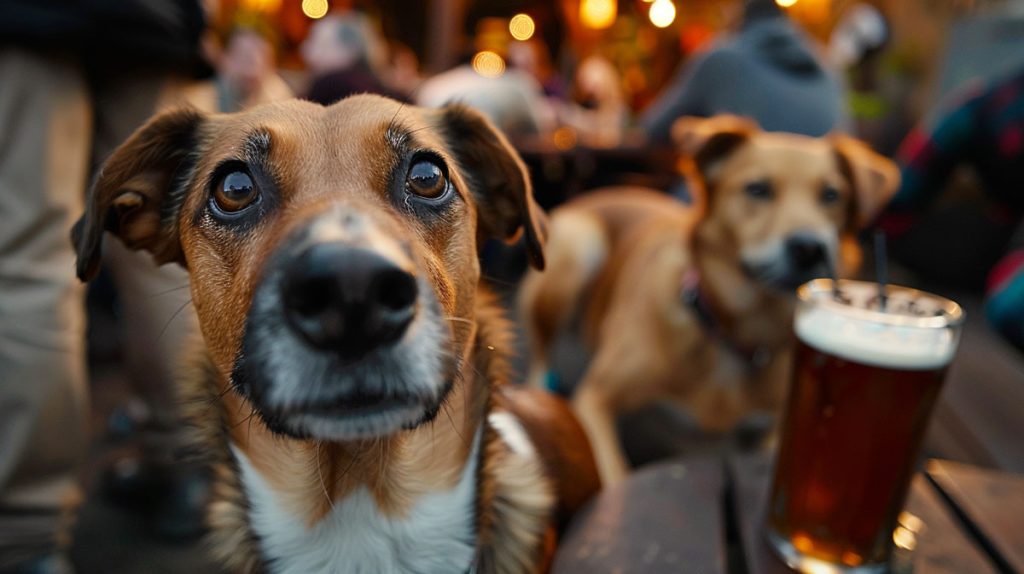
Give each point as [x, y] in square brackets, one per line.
[596, 413]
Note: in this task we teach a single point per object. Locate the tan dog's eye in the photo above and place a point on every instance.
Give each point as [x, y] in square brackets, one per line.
[235, 192]
[759, 190]
[829, 195]
[426, 179]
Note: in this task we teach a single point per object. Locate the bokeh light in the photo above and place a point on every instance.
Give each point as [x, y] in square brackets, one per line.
[521, 27]
[265, 6]
[785, 3]
[314, 8]
[488, 64]
[598, 14]
[663, 13]
[564, 138]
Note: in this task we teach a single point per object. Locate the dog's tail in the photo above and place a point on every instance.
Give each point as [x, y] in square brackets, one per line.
[576, 250]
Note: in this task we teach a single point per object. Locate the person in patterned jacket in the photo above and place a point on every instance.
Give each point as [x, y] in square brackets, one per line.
[982, 126]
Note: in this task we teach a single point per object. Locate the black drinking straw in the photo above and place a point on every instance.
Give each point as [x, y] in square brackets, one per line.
[836, 294]
[881, 268]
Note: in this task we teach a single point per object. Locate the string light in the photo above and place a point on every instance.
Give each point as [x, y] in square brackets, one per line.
[785, 3]
[598, 14]
[662, 13]
[265, 6]
[521, 27]
[488, 64]
[315, 9]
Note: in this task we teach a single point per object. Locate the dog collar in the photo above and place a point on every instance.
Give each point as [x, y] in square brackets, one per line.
[692, 296]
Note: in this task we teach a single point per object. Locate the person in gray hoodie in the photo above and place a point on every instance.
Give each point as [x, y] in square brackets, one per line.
[767, 71]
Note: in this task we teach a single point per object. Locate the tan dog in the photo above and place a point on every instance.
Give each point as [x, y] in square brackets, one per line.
[693, 305]
[349, 391]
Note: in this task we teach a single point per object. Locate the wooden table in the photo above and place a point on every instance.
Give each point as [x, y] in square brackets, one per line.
[704, 515]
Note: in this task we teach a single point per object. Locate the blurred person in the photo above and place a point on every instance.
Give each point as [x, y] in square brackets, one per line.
[767, 71]
[513, 99]
[981, 126]
[58, 107]
[877, 92]
[534, 57]
[45, 122]
[246, 76]
[402, 74]
[344, 54]
[604, 115]
[861, 33]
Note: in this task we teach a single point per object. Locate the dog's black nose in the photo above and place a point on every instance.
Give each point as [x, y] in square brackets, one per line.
[806, 252]
[347, 300]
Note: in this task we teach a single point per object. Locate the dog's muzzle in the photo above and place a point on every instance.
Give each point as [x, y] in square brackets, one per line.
[790, 262]
[342, 342]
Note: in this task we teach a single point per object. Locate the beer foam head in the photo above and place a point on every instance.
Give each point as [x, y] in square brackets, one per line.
[914, 333]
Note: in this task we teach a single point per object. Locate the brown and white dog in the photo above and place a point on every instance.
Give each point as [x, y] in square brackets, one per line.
[350, 390]
[692, 305]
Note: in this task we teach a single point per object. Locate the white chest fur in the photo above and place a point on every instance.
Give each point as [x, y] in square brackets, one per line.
[437, 535]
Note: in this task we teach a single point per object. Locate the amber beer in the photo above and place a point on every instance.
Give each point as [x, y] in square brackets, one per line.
[864, 385]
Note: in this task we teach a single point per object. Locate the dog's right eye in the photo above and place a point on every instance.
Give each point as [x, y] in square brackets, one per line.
[759, 190]
[426, 179]
[235, 192]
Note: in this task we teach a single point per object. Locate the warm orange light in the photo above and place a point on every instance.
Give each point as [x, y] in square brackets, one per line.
[314, 8]
[785, 3]
[662, 13]
[521, 27]
[802, 542]
[265, 6]
[851, 558]
[598, 14]
[488, 64]
[564, 138]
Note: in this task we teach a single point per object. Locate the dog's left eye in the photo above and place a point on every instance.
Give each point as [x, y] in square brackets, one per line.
[759, 190]
[426, 179]
[235, 192]
[829, 195]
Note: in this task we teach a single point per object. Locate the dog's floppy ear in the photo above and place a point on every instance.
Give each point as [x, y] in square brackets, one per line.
[704, 142]
[499, 180]
[875, 178]
[133, 195]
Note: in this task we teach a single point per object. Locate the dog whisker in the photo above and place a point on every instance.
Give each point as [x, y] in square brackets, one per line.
[447, 412]
[351, 463]
[217, 397]
[247, 419]
[168, 291]
[169, 321]
[460, 320]
[426, 127]
[498, 281]
[320, 474]
[383, 456]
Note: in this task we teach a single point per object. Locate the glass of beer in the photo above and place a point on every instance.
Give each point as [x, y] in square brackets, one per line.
[867, 372]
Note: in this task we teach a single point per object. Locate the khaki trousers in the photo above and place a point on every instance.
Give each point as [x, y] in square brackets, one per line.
[45, 133]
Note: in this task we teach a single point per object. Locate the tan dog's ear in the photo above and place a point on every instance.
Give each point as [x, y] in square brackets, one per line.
[498, 180]
[138, 191]
[875, 178]
[706, 141]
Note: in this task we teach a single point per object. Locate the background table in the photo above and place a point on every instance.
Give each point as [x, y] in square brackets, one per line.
[704, 515]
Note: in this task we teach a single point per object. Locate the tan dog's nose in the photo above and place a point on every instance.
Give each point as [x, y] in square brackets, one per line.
[805, 251]
[347, 299]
